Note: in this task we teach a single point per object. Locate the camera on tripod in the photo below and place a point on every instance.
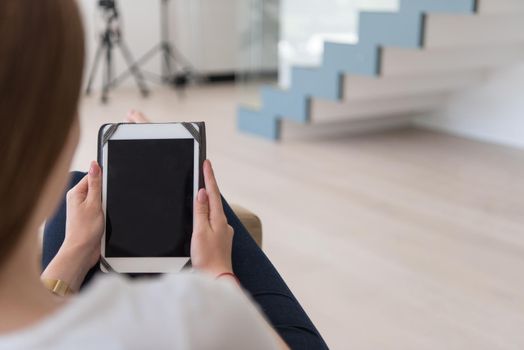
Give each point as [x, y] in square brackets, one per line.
[107, 5]
[175, 70]
[110, 15]
[111, 38]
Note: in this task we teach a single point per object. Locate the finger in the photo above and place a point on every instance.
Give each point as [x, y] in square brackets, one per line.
[136, 117]
[129, 116]
[201, 212]
[141, 117]
[216, 211]
[94, 179]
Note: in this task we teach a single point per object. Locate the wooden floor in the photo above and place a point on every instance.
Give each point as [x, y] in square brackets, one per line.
[406, 239]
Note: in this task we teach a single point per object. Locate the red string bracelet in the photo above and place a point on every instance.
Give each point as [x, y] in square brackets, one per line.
[229, 274]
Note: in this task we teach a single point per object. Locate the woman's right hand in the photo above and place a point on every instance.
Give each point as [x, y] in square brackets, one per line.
[212, 239]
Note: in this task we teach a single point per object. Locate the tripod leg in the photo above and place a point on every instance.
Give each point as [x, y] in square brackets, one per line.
[98, 55]
[183, 61]
[107, 76]
[137, 74]
[167, 70]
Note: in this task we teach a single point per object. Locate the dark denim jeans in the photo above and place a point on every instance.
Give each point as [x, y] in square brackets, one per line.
[252, 267]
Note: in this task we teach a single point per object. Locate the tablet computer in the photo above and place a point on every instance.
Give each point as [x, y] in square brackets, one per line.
[151, 175]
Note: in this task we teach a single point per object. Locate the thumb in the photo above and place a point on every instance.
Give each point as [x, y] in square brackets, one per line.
[78, 193]
[94, 180]
[201, 212]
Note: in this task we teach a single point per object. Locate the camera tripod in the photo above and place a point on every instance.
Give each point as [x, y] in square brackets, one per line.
[175, 69]
[109, 39]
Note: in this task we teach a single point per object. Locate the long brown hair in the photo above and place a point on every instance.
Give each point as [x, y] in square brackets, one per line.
[41, 65]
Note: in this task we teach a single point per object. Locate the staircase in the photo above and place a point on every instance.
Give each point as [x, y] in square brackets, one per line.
[405, 62]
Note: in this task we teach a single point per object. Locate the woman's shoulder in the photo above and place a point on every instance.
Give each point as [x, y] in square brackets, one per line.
[187, 310]
[170, 293]
[165, 298]
[115, 312]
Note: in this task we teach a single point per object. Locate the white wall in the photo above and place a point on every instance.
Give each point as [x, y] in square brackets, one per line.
[492, 112]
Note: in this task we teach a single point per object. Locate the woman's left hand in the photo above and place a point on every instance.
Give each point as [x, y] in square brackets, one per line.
[84, 228]
[85, 219]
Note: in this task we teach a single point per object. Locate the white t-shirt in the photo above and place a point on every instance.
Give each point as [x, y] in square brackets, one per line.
[182, 311]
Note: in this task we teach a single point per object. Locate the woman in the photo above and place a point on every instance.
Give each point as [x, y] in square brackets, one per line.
[41, 64]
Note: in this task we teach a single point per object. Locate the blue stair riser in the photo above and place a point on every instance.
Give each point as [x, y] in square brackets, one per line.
[352, 59]
[392, 29]
[319, 82]
[285, 104]
[376, 30]
[444, 6]
[258, 123]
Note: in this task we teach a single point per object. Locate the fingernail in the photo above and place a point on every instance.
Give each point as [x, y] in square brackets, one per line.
[94, 170]
[202, 196]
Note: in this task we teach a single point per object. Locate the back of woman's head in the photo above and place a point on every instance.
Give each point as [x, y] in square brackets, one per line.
[41, 65]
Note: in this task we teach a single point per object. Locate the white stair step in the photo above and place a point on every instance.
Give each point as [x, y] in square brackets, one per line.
[406, 62]
[494, 6]
[323, 111]
[361, 87]
[447, 30]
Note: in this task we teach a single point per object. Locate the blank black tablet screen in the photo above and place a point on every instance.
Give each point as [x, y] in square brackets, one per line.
[149, 198]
